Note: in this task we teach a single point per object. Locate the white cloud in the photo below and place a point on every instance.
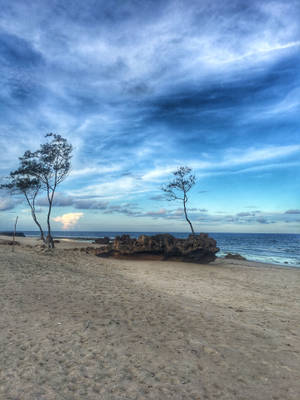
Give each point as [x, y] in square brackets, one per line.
[258, 53]
[158, 172]
[124, 186]
[237, 157]
[267, 167]
[68, 220]
[290, 103]
[96, 170]
[6, 204]
[233, 157]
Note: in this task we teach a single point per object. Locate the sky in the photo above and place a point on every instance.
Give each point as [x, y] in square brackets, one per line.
[142, 87]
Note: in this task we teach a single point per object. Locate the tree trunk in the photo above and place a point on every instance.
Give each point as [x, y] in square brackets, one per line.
[49, 237]
[38, 225]
[186, 217]
[32, 207]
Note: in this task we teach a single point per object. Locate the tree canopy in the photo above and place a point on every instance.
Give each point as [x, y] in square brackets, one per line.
[178, 188]
[42, 170]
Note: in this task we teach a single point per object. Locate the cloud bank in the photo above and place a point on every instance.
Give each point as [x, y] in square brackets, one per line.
[144, 87]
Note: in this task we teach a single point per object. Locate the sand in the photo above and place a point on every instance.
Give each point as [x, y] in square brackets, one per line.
[75, 326]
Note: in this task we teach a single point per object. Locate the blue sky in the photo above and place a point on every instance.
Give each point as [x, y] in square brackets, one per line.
[141, 87]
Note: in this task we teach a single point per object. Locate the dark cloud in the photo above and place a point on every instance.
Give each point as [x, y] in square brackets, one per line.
[59, 201]
[122, 210]
[155, 214]
[15, 51]
[98, 15]
[137, 88]
[21, 67]
[211, 106]
[90, 205]
[159, 197]
[151, 83]
[6, 204]
[262, 220]
[244, 214]
[292, 212]
[80, 204]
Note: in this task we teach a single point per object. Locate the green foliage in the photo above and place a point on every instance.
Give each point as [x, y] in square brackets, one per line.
[178, 188]
[51, 163]
[20, 182]
[43, 169]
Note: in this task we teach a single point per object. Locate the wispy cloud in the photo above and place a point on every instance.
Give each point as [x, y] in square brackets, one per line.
[232, 157]
[116, 188]
[214, 86]
[238, 157]
[96, 170]
[262, 49]
[6, 204]
[159, 213]
[158, 173]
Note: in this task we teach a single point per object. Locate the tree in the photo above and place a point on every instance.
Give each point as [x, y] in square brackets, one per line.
[178, 188]
[14, 234]
[49, 166]
[21, 183]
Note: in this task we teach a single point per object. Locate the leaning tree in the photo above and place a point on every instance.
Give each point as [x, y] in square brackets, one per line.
[20, 183]
[178, 188]
[50, 165]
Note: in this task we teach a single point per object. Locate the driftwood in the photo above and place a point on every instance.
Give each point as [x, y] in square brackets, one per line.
[14, 236]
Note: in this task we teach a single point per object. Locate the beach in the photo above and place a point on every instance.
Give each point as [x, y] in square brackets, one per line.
[76, 326]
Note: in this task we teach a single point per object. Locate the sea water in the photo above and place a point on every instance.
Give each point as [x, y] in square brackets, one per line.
[281, 249]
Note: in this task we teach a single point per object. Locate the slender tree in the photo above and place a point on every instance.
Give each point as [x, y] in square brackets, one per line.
[49, 165]
[20, 183]
[14, 234]
[178, 188]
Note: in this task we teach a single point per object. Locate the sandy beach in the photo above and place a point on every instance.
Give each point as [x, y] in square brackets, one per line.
[75, 326]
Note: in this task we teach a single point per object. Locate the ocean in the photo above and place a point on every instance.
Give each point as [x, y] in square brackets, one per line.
[281, 249]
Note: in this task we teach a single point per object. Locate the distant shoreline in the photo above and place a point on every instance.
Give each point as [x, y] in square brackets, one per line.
[237, 244]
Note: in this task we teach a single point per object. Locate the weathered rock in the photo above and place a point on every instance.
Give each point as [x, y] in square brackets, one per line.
[235, 256]
[104, 240]
[196, 248]
[9, 242]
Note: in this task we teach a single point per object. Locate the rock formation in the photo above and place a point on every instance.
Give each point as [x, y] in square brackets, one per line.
[196, 248]
[235, 256]
[104, 240]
